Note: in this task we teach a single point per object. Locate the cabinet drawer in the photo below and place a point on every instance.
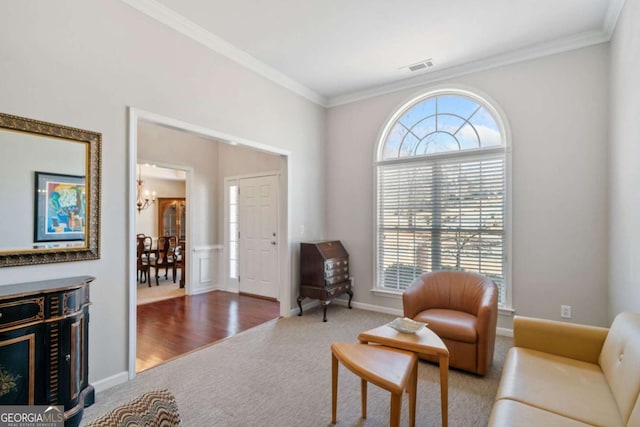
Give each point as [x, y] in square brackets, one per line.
[339, 270]
[72, 301]
[335, 263]
[337, 279]
[338, 290]
[20, 312]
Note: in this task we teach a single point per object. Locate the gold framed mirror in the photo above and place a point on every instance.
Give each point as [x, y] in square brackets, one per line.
[50, 187]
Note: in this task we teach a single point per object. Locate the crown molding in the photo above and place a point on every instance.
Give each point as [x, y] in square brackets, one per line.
[190, 29]
[611, 18]
[533, 52]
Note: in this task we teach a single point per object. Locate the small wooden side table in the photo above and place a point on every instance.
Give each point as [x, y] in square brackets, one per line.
[389, 368]
[424, 341]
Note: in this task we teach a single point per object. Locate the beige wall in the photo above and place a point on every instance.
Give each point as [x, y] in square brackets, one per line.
[179, 149]
[147, 219]
[624, 202]
[235, 161]
[557, 109]
[81, 64]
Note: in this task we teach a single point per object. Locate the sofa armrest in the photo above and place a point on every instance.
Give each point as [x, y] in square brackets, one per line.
[580, 342]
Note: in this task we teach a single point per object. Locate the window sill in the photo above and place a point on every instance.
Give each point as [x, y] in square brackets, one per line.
[387, 293]
[503, 311]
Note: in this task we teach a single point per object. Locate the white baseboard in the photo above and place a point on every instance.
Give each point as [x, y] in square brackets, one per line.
[105, 383]
[505, 332]
[207, 289]
[398, 312]
[305, 307]
[369, 307]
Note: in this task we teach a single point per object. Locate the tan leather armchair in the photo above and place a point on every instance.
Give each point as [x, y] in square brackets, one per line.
[462, 309]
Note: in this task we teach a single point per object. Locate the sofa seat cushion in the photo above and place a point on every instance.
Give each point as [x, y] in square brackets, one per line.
[452, 324]
[567, 387]
[508, 412]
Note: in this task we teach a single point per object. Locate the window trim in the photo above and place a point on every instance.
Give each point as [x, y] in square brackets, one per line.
[502, 122]
[230, 283]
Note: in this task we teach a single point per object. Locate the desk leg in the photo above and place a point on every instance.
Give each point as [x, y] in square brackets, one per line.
[300, 298]
[444, 388]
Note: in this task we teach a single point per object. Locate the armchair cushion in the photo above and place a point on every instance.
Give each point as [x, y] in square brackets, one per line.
[455, 325]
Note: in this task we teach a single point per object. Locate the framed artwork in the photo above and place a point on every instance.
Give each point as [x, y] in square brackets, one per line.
[60, 207]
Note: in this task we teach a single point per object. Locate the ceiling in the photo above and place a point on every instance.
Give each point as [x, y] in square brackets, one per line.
[335, 51]
[146, 170]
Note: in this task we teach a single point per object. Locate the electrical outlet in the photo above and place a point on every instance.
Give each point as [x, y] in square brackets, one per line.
[565, 311]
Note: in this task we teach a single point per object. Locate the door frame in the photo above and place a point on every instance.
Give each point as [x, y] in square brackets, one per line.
[284, 252]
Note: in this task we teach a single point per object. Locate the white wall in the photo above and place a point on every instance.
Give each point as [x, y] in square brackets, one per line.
[81, 64]
[557, 109]
[624, 243]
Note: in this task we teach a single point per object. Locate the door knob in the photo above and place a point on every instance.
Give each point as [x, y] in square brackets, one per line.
[273, 242]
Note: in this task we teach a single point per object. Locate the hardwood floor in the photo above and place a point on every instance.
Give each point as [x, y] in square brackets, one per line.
[173, 327]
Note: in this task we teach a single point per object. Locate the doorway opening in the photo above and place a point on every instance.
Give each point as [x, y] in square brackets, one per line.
[208, 157]
[162, 222]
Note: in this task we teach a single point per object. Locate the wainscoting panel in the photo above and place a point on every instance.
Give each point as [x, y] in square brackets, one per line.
[205, 265]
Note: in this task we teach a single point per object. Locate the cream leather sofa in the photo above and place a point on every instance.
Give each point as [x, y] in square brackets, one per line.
[561, 374]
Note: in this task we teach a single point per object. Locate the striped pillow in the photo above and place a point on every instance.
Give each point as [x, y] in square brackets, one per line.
[157, 408]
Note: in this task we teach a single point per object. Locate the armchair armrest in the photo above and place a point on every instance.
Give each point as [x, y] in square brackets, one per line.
[580, 342]
[413, 300]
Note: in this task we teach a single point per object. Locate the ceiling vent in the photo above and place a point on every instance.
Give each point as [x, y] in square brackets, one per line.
[419, 66]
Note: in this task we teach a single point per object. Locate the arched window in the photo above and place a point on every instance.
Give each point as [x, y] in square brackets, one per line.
[442, 191]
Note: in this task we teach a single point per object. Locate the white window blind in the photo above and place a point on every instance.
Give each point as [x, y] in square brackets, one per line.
[443, 213]
[441, 191]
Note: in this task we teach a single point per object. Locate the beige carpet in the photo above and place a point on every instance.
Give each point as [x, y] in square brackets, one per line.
[166, 289]
[279, 374]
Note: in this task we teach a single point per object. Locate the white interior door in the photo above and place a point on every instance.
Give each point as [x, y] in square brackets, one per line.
[258, 240]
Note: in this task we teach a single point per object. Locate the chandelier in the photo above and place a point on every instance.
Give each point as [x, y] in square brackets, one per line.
[143, 198]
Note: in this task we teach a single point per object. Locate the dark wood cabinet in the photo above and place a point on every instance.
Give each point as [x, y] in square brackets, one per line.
[44, 337]
[324, 273]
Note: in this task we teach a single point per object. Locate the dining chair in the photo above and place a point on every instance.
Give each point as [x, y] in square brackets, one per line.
[165, 256]
[179, 262]
[144, 258]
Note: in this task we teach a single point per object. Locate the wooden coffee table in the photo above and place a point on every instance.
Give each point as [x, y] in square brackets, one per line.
[424, 341]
